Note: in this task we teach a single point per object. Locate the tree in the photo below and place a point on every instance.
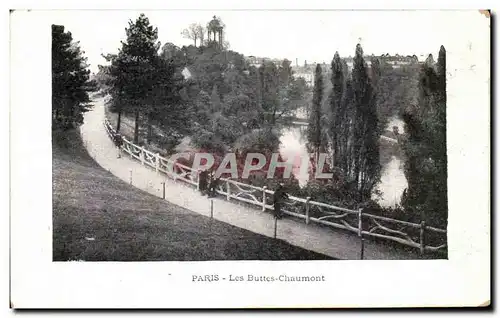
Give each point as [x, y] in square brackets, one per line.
[314, 130]
[118, 85]
[439, 143]
[338, 120]
[194, 32]
[70, 81]
[167, 108]
[396, 88]
[255, 87]
[215, 100]
[203, 106]
[285, 73]
[170, 51]
[278, 98]
[366, 131]
[103, 78]
[425, 146]
[271, 99]
[201, 34]
[136, 63]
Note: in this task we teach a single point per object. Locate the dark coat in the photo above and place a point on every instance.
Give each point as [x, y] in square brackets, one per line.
[203, 180]
[278, 197]
[118, 140]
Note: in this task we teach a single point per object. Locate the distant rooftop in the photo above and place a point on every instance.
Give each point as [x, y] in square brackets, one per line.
[306, 65]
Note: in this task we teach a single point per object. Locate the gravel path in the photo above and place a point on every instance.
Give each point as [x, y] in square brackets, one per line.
[335, 243]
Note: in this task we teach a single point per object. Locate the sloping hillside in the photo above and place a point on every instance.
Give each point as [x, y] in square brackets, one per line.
[98, 217]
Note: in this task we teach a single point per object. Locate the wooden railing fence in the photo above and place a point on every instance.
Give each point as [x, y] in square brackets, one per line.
[356, 221]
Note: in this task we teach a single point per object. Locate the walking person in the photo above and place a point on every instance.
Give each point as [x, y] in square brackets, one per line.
[118, 139]
[210, 178]
[203, 181]
[214, 183]
[278, 197]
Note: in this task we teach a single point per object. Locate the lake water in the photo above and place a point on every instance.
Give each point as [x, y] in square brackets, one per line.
[392, 182]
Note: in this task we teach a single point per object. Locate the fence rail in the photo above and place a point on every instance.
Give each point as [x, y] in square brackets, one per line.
[356, 221]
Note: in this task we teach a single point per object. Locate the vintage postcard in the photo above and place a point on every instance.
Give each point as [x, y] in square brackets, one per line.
[288, 152]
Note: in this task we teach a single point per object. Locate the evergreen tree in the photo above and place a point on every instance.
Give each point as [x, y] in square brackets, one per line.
[314, 131]
[70, 81]
[139, 54]
[347, 154]
[118, 85]
[149, 85]
[256, 87]
[270, 92]
[366, 131]
[285, 73]
[425, 146]
[375, 75]
[167, 108]
[440, 144]
[338, 114]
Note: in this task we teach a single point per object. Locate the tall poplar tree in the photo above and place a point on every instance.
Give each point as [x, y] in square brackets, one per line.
[425, 147]
[366, 131]
[314, 131]
[338, 120]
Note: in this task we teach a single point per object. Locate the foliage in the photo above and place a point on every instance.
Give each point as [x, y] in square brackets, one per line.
[337, 191]
[207, 140]
[132, 70]
[281, 92]
[315, 134]
[194, 32]
[70, 81]
[147, 84]
[341, 116]
[366, 131]
[425, 146]
[258, 141]
[353, 124]
[397, 88]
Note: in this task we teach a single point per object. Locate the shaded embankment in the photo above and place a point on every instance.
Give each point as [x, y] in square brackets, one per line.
[98, 217]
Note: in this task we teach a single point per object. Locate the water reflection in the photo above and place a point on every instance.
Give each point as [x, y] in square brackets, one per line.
[293, 145]
[392, 182]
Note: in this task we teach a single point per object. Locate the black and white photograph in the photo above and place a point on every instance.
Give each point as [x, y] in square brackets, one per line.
[190, 148]
[186, 137]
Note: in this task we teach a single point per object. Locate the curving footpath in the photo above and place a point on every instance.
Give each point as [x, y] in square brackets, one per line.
[335, 243]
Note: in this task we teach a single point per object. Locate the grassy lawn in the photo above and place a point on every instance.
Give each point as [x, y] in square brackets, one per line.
[98, 217]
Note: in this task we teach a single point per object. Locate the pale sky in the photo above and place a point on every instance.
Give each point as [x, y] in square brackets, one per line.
[307, 35]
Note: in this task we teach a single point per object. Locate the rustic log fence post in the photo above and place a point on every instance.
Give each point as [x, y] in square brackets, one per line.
[211, 208]
[308, 207]
[198, 180]
[142, 155]
[163, 184]
[130, 177]
[228, 189]
[264, 198]
[157, 162]
[422, 234]
[275, 226]
[360, 232]
[174, 171]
